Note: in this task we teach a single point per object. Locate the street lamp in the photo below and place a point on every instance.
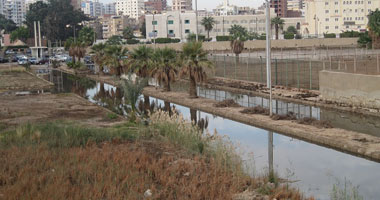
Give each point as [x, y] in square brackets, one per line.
[196, 20]
[69, 25]
[268, 51]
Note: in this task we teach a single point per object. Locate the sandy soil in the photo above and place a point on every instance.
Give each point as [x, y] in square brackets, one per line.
[17, 79]
[347, 141]
[15, 110]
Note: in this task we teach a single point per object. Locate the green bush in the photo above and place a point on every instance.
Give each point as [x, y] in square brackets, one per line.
[132, 41]
[298, 36]
[262, 37]
[365, 39]
[163, 40]
[176, 40]
[349, 34]
[289, 36]
[223, 38]
[329, 35]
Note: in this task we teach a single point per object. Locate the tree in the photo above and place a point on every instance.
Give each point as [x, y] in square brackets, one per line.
[87, 35]
[374, 27]
[143, 28]
[194, 60]
[208, 23]
[239, 35]
[164, 67]
[278, 24]
[37, 12]
[99, 57]
[114, 57]
[140, 62]
[291, 30]
[21, 33]
[77, 50]
[7, 25]
[128, 33]
[115, 40]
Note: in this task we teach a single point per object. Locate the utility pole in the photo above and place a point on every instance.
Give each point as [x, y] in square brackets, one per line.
[268, 51]
[196, 19]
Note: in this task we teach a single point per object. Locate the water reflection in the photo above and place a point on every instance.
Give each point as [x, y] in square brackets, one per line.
[312, 168]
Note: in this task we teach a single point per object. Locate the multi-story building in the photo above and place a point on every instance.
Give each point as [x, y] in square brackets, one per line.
[76, 4]
[175, 24]
[132, 8]
[226, 8]
[14, 10]
[280, 7]
[114, 25]
[97, 26]
[295, 5]
[336, 16]
[109, 9]
[155, 6]
[28, 2]
[182, 5]
[92, 8]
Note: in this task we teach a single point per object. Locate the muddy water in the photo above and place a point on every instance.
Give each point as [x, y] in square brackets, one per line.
[338, 119]
[312, 168]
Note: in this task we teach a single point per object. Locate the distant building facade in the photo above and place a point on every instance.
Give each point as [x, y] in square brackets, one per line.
[92, 8]
[132, 8]
[14, 10]
[280, 7]
[155, 5]
[182, 5]
[109, 9]
[114, 25]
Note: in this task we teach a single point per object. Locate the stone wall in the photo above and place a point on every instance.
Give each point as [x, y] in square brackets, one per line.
[354, 89]
[278, 44]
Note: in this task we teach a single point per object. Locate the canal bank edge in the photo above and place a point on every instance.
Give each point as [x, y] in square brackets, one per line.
[354, 143]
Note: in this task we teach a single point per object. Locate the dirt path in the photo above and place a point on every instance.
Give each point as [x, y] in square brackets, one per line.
[20, 80]
[16, 110]
[347, 141]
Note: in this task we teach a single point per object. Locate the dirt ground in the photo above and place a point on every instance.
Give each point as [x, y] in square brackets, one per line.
[347, 141]
[18, 79]
[16, 110]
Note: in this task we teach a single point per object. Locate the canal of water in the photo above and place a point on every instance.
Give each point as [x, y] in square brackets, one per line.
[313, 169]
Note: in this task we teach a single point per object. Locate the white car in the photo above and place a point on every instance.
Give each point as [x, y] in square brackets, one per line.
[22, 61]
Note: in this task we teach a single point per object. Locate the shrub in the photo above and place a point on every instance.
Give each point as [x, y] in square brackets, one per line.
[298, 36]
[193, 36]
[329, 35]
[163, 40]
[133, 41]
[365, 39]
[262, 37]
[223, 38]
[349, 34]
[289, 36]
[176, 40]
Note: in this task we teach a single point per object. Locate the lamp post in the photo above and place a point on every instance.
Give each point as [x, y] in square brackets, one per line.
[69, 25]
[268, 52]
[196, 20]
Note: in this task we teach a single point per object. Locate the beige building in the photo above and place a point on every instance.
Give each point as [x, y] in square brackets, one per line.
[132, 8]
[114, 25]
[336, 16]
[175, 24]
[182, 5]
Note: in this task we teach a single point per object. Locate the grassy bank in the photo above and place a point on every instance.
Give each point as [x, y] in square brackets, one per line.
[167, 159]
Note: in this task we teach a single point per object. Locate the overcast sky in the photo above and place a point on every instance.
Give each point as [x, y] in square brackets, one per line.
[210, 4]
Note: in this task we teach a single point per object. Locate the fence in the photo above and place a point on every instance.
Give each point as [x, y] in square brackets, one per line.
[299, 70]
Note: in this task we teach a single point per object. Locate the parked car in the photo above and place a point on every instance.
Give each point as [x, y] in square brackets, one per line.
[21, 57]
[33, 61]
[3, 60]
[88, 60]
[43, 61]
[22, 61]
[12, 58]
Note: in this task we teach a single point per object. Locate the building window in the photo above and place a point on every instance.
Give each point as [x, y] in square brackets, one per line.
[326, 11]
[327, 27]
[187, 21]
[170, 22]
[154, 23]
[171, 32]
[187, 31]
[336, 27]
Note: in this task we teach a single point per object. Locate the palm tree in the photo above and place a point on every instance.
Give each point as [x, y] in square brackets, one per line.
[208, 23]
[278, 24]
[374, 27]
[140, 62]
[77, 50]
[99, 51]
[239, 35]
[164, 67]
[194, 60]
[114, 57]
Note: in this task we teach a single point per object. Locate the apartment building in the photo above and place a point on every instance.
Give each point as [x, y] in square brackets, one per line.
[14, 10]
[109, 9]
[280, 7]
[132, 8]
[155, 6]
[114, 25]
[182, 5]
[92, 8]
[336, 16]
[294, 5]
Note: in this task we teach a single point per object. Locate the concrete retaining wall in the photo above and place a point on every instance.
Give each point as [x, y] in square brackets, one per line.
[260, 44]
[354, 89]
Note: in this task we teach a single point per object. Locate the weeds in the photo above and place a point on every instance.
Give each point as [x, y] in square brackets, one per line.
[315, 122]
[345, 191]
[227, 103]
[256, 110]
[112, 116]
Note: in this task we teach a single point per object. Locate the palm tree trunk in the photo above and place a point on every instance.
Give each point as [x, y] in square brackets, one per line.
[193, 87]
[146, 104]
[167, 106]
[193, 116]
[276, 27]
[208, 34]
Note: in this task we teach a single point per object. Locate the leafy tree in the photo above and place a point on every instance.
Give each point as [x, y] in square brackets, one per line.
[278, 24]
[374, 27]
[208, 23]
[87, 35]
[37, 12]
[238, 35]
[99, 57]
[143, 28]
[128, 33]
[114, 58]
[164, 67]
[21, 33]
[291, 30]
[68, 43]
[194, 60]
[253, 35]
[115, 40]
[7, 25]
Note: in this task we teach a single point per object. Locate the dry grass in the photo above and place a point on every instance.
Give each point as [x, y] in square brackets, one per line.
[315, 122]
[226, 103]
[256, 110]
